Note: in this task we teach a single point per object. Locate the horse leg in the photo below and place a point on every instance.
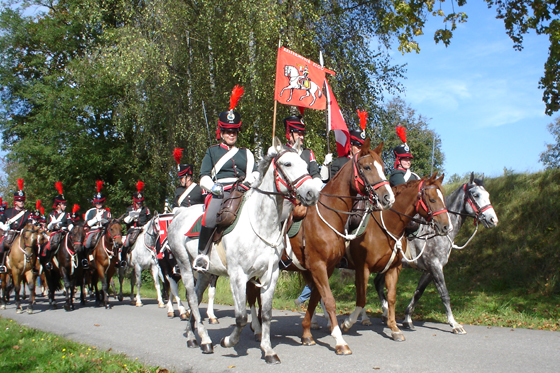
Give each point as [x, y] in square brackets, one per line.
[253, 295]
[138, 273]
[424, 281]
[391, 278]
[361, 281]
[17, 285]
[212, 319]
[122, 273]
[439, 281]
[321, 279]
[188, 281]
[156, 275]
[67, 288]
[32, 279]
[379, 283]
[238, 284]
[266, 313]
[174, 288]
[4, 288]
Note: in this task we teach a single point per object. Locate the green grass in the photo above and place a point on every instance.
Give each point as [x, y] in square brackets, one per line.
[26, 349]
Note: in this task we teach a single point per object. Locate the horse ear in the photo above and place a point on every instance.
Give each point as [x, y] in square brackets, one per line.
[441, 178]
[365, 148]
[379, 148]
[472, 178]
[277, 144]
[119, 220]
[298, 145]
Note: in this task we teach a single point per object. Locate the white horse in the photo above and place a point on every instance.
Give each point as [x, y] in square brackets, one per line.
[292, 73]
[252, 250]
[143, 256]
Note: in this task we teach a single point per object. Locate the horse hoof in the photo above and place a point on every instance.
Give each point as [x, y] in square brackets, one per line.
[272, 359]
[29, 311]
[343, 350]
[345, 327]
[171, 315]
[307, 341]
[223, 343]
[67, 308]
[161, 305]
[2, 307]
[397, 336]
[54, 307]
[120, 298]
[408, 325]
[214, 320]
[19, 310]
[258, 337]
[459, 330]
[184, 316]
[192, 343]
[207, 348]
[132, 302]
[366, 322]
[139, 305]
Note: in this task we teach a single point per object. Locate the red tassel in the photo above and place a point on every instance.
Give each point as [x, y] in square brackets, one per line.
[178, 154]
[363, 118]
[99, 185]
[107, 209]
[401, 132]
[236, 94]
[20, 184]
[58, 186]
[139, 186]
[38, 204]
[75, 208]
[42, 209]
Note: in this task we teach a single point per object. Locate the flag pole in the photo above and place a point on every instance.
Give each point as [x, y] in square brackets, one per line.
[275, 102]
[326, 111]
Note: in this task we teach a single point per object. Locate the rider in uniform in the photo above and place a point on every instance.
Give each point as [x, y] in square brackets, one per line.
[295, 129]
[57, 225]
[357, 138]
[74, 217]
[403, 160]
[188, 192]
[222, 166]
[12, 222]
[136, 217]
[96, 218]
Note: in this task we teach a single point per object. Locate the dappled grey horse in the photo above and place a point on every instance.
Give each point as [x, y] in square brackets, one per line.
[469, 200]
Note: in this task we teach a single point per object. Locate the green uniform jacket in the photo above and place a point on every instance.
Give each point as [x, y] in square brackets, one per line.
[232, 170]
[400, 176]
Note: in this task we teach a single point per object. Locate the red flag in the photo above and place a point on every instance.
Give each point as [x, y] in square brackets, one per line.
[335, 122]
[299, 81]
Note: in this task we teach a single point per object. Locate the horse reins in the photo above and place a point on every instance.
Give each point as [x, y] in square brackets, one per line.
[420, 203]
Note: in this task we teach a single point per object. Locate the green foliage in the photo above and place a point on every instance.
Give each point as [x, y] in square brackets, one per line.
[25, 349]
[551, 156]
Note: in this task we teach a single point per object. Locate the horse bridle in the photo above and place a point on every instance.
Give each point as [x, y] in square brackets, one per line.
[152, 235]
[109, 233]
[421, 202]
[280, 177]
[360, 178]
[478, 211]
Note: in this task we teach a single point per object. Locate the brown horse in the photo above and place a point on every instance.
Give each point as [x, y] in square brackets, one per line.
[21, 265]
[320, 244]
[105, 258]
[66, 259]
[379, 248]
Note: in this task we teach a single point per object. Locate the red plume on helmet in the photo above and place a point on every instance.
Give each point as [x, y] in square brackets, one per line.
[75, 208]
[138, 197]
[20, 184]
[236, 94]
[58, 187]
[42, 209]
[363, 119]
[139, 186]
[38, 204]
[178, 154]
[401, 132]
[99, 185]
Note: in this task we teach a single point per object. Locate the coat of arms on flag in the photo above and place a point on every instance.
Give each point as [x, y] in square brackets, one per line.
[299, 79]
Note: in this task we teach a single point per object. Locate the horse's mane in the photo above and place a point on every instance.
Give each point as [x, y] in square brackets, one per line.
[398, 189]
[263, 166]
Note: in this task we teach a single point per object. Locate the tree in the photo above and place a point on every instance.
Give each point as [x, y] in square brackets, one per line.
[551, 156]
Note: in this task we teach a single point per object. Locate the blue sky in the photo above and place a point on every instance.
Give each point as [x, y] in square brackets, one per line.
[481, 95]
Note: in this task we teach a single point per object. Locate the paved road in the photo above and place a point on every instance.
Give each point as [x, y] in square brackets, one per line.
[156, 340]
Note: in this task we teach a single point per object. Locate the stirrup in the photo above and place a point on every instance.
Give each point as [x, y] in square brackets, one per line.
[201, 263]
[124, 263]
[85, 263]
[48, 266]
[3, 269]
[176, 270]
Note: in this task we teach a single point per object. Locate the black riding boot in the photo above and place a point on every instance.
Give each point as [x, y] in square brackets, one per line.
[202, 261]
[3, 268]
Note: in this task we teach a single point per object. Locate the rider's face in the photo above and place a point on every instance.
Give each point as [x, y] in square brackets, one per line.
[183, 181]
[297, 135]
[229, 137]
[62, 206]
[99, 206]
[19, 204]
[406, 163]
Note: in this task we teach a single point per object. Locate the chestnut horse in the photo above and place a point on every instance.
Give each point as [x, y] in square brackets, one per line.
[105, 258]
[66, 259]
[21, 265]
[320, 244]
[379, 249]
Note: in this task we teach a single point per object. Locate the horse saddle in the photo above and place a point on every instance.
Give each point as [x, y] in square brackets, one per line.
[8, 239]
[230, 207]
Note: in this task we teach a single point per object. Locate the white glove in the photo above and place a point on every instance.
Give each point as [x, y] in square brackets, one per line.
[217, 190]
[328, 159]
[51, 225]
[250, 179]
[324, 173]
[93, 221]
[103, 221]
[134, 214]
[5, 227]
[127, 219]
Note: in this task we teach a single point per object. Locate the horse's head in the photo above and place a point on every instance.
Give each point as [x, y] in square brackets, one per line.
[151, 231]
[477, 202]
[291, 175]
[431, 204]
[114, 232]
[77, 237]
[369, 176]
[29, 237]
[291, 71]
